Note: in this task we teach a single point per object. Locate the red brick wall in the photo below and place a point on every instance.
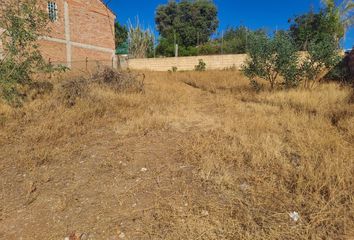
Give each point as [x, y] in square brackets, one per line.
[91, 23]
[93, 58]
[56, 52]
[57, 28]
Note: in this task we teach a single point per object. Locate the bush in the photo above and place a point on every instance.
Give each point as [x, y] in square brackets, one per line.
[322, 55]
[276, 60]
[210, 48]
[24, 23]
[272, 59]
[201, 66]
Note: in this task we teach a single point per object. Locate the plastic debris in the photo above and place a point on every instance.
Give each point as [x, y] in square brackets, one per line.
[295, 216]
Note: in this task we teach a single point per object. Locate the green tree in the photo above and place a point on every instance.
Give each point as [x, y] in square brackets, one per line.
[322, 56]
[121, 34]
[333, 20]
[235, 40]
[342, 13]
[273, 59]
[192, 22]
[23, 21]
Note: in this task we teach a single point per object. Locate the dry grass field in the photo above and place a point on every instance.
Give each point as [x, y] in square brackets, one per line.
[198, 155]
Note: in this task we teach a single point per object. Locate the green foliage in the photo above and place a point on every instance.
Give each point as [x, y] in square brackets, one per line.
[166, 48]
[210, 48]
[342, 13]
[341, 72]
[201, 67]
[24, 23]
[191, 21]
[121, 34]
[321, 55]
[272, 59]
[235, 39]
[333, 20]
[275, 59]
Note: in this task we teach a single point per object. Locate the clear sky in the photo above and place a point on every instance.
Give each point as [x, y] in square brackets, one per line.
[271, 14]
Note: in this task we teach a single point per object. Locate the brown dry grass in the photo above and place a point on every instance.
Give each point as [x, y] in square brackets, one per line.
[222, 162]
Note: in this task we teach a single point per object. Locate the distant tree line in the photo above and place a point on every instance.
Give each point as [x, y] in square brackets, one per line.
[192, 23]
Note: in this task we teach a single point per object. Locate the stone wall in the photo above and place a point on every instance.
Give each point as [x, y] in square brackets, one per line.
[213, 62]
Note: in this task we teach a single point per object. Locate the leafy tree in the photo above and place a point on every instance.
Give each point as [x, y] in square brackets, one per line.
[191, 21]
[166, 48]
[333, 20]
[322, 55]
[24, 22]
[342, 14]
[273, 59]
[235, 40]
[276, 60]
[121, 34]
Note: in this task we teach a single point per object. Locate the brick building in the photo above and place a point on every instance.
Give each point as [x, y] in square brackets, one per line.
[82, 33]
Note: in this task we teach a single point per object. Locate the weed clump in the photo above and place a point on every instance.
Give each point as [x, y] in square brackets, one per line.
[73, 89]
[120, 81]
[201, 67]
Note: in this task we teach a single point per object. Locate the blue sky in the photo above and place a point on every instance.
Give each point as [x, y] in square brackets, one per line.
[271, 14]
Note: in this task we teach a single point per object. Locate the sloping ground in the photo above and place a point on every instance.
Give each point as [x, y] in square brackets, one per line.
[198, 156]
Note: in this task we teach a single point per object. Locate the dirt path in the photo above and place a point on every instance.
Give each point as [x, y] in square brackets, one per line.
[108, 186]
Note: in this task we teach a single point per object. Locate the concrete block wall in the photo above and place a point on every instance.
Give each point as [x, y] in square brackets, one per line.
[213, 62]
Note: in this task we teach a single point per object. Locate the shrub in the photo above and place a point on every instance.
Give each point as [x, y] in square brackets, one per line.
[201, 66]
[322, 55]
[24, 23]
[210, 48]
[272, 59]
[276, 60]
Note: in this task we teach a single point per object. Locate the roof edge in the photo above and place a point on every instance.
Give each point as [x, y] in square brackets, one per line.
[106, 5]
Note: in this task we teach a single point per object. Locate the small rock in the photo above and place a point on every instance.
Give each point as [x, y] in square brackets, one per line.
[84, 236]
[205, 213]
[143, 170]
[244, 186]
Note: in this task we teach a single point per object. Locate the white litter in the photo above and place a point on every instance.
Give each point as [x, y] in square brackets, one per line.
[295, 216]
[121, 235]
[143, 169]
